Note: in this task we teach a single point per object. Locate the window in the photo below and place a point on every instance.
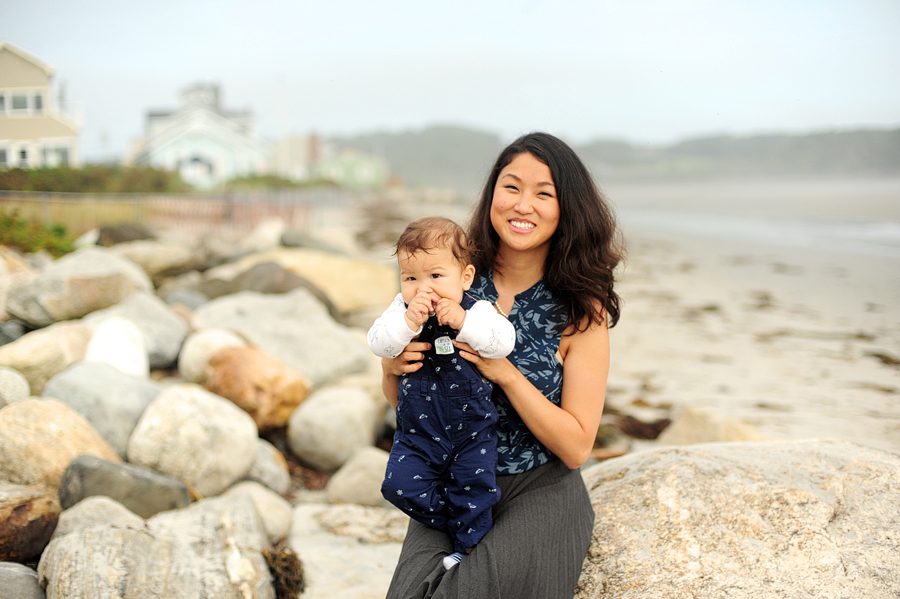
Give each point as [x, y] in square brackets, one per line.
[38, 103]
[23, 158]
[3, 160]
[20, 102]
[2, 104]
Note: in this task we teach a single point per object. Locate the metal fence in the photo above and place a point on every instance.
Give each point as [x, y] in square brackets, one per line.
[187, 213]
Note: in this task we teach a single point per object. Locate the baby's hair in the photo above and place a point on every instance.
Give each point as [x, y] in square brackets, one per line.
[435, 232]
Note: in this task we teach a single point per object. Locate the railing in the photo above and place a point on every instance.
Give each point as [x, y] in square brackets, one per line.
[187, 213]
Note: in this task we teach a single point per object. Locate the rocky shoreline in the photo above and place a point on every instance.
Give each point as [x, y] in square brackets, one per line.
[173, 410]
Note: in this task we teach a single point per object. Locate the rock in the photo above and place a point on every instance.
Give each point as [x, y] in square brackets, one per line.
[212, 549]
[142, 491]
[196, 437]
[270, 468]
[13, 386]
[98, 510]
[361, 283]
[359, 479]
[156, 256]
[294, 238]
[163, 331]
[76, 285]
[119, 343]
[274, 510]
[19, 582]
[10, 331]
[40, 355]
[347, 550]
[111, 400]
[27, 519]
[266, 236]
[40, 437]
[185, 297]
[332, 425]
[748, 520]
[110, 235]
[295, 327]
[704, 425]
[258, 383]
[265, 277]
[87, 238]
[200, 346]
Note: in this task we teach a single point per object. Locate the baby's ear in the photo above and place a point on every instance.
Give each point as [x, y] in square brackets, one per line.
[468, 276]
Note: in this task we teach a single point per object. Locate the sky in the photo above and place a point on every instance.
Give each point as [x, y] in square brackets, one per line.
[646, 71]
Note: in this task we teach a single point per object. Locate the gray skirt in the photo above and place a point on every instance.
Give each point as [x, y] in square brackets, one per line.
[542, 529]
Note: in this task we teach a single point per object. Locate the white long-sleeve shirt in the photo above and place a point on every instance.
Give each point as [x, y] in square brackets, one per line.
[487, 331]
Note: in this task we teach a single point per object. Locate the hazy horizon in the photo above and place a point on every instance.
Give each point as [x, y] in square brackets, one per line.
[653, 73]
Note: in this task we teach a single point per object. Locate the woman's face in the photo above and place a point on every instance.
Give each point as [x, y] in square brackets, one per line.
[525, 208]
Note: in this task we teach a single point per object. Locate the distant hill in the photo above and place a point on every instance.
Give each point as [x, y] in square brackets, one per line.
[440, 156]
[458, 157]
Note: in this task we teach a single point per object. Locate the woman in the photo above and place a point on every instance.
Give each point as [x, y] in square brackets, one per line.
[546, 247]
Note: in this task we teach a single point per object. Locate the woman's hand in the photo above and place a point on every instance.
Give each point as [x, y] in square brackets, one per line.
[497, 371]
[410, 360]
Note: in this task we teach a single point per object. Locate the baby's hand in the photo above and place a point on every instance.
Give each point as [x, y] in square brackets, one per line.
[419, 309]
[450, 313]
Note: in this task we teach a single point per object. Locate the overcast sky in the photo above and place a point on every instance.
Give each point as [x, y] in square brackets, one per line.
[649, 71]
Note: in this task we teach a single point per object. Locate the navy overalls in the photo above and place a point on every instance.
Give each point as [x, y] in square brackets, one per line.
[442, 467]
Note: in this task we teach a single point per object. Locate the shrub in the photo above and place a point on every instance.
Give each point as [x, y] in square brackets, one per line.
[32, 236]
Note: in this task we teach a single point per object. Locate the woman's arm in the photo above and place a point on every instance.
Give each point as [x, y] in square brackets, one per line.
[568, 430]
[410, 360]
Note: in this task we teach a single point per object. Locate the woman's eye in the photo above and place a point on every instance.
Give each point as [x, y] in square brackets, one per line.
[512, 188]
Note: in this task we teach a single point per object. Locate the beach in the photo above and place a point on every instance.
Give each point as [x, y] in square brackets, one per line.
[772, 302]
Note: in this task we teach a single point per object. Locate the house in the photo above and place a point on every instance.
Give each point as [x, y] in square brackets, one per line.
[205, 143]
[354, 169]
[32, 133]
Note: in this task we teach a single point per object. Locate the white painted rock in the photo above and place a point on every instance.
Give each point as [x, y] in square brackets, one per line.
[118, 342]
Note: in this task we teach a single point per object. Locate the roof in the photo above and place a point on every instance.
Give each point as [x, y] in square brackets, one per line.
[36, 127]
[48, 70]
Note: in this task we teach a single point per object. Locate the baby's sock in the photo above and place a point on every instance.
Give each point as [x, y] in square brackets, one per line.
[452, 559]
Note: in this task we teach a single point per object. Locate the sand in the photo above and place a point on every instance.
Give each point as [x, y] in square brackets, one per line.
[732, 300]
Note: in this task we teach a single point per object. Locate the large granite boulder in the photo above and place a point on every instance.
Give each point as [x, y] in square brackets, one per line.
[294, 327]
[348, 283]
[210, 550]
[157, 256]
[196, 437]
[332, 425]
[40, 355]
[274, 510]
[76, 285]
[27, 519]
[749, 520]
[111, 400]
[40, 437]
[258, 383]
[142, 491]
[163, 330]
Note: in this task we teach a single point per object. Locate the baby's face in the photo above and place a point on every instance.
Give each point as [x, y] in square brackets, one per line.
[435, 271]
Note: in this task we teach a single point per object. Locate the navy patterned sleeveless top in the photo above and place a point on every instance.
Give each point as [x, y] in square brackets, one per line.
[539, 319]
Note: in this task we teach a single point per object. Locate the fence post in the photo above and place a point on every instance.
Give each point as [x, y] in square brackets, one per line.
[45, 209]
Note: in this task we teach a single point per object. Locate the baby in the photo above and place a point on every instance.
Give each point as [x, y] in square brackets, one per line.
[442, 467]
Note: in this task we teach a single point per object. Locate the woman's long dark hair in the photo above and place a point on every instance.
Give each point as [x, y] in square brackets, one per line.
[585, 248]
